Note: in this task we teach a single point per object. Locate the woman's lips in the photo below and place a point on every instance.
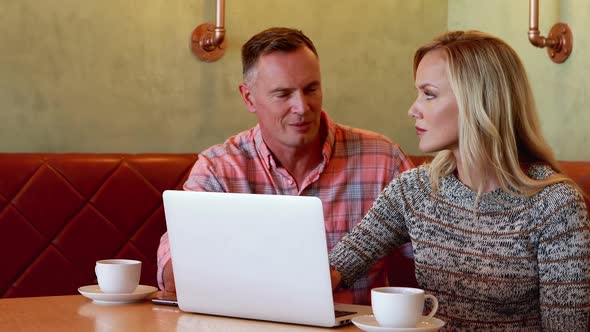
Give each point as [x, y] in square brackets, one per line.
[420, 131]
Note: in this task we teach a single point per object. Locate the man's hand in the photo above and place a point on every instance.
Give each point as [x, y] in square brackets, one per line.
[335, 277]
[168, 278]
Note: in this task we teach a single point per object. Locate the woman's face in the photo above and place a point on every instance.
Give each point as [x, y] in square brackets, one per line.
[435, 109]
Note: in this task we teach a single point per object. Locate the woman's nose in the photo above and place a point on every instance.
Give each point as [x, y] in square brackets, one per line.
[413, 111]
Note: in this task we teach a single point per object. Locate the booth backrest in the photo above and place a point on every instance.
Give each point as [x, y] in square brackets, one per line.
[60, 213]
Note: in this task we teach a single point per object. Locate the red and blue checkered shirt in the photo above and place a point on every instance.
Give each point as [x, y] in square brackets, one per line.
[356, 166]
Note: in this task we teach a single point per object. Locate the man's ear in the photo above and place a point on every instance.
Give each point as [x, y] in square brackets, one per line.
[247, 97]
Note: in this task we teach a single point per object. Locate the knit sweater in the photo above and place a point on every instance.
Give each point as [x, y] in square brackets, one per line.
[510, 264]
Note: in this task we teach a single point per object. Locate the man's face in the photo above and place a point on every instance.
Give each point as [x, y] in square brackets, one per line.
[284, 91]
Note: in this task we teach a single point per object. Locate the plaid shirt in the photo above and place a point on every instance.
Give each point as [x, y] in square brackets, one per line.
[356, 166]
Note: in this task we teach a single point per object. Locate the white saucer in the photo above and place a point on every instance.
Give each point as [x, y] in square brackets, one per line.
[369, 324]
[93, 292]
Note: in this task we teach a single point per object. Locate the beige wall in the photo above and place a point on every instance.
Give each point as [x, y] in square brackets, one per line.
[562, 91]
[117, 76]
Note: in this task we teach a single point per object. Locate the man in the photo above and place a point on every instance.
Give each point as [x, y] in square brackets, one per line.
[296, 149]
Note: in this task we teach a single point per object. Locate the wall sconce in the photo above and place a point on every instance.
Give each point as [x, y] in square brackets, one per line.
[208, 40]
[559, 42]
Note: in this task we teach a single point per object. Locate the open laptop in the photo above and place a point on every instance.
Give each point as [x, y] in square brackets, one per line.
[252, 256]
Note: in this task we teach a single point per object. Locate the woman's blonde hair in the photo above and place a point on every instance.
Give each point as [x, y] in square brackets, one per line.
[498, 124]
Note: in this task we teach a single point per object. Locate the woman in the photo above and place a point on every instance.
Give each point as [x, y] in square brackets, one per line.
[500, 236]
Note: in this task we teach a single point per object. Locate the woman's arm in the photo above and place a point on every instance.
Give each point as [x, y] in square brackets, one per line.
[564, 267]
[382, 229]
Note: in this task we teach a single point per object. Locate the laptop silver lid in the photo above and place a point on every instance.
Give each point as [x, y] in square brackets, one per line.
[251, 256]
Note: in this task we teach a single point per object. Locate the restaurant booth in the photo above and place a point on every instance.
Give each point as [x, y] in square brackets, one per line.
[60, 213]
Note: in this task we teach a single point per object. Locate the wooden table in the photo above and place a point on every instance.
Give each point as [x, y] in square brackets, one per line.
[77, 313]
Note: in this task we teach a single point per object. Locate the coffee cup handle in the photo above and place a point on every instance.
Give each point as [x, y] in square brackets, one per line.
[434, 305]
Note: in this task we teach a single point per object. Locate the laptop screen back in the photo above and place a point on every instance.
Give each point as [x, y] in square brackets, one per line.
[250, 256]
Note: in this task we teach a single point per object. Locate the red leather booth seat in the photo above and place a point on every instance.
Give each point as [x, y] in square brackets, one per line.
[60, 213]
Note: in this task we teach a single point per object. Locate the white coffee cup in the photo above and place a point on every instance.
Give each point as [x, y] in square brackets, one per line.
[118, 276]
[400, 306]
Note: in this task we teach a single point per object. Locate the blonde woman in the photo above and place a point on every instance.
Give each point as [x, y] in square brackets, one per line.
[500, 236]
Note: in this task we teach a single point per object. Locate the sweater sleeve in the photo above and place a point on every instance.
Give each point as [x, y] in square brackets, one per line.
[564, 266]
[382, 229]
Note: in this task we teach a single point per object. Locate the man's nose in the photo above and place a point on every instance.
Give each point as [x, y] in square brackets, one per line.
[300, 103]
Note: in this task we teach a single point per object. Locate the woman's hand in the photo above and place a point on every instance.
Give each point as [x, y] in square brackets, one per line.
[335, 277]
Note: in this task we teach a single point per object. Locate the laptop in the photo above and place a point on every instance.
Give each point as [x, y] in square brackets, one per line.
[253, 256]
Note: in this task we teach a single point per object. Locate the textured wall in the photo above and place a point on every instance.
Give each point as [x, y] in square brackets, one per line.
[561, 90]
[118, 76]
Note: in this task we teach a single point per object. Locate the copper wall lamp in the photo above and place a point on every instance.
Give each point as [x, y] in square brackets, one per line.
[208, 40]
[559, 42]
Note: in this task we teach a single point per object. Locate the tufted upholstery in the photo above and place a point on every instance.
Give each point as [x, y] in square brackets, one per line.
[59, 213]
[400, 263]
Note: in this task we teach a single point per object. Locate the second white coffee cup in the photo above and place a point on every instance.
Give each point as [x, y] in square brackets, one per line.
[118, 276]
[400, 306]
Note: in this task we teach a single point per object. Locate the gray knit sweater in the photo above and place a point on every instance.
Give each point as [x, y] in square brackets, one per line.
[517, 264]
